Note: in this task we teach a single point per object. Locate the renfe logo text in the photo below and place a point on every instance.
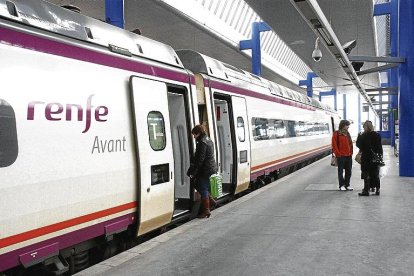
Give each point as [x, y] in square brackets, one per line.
[58, 112]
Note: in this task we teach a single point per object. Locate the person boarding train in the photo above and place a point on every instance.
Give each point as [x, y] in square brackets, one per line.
[202, 167]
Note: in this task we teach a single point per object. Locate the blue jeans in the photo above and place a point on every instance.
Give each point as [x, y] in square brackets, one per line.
[344, 163]
[203, 186]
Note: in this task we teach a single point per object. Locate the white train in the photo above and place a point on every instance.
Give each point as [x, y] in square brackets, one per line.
[95, 134]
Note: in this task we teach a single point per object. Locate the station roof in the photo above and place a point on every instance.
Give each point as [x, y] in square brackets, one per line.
[350, 20]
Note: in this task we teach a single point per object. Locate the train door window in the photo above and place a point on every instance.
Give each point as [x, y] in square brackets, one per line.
[241, 129]
[156, 130]
[8, 135]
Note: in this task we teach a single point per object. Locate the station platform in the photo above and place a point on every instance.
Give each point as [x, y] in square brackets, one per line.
[298, 225]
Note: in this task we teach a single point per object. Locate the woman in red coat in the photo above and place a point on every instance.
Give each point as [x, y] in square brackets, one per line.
[343, 149]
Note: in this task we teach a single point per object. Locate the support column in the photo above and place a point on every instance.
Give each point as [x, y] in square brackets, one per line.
[406, 84]
[344, 105]
[329, 93]
[114, 13]
[359, 113]
[380, 100]
[309, 83]
[254, 44]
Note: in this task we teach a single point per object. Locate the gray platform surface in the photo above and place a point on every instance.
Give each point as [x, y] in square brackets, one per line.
[298, 225]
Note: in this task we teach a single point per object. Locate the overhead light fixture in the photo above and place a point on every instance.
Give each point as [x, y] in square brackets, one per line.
[72, 8]
[349, 46]
[357, 65]
[317, 53]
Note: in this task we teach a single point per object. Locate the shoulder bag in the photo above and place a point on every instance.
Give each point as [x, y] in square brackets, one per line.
[377, 159]
[334, 161]
[358, 157]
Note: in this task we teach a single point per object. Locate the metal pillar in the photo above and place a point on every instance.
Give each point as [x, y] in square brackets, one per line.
[329, 93]
[380, 101]
[406, 78]
[254, 44]
[359, 113]
[344, 105]
[309, 83]
[114, 13]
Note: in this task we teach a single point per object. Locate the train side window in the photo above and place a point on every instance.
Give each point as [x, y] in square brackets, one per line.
[260, 128]
[8, 135]
[277, 129]
[326, 129]
[301, 129]
[156, 130]
[241, 129]
[291, 128]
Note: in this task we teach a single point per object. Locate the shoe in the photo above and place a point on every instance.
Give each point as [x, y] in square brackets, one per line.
[372, 189]
[377, 193]
[363, 194]
[349, 188]
[342, 188]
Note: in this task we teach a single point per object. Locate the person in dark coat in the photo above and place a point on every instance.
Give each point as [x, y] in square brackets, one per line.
[369, 141]
[343, 149]
[202, 167]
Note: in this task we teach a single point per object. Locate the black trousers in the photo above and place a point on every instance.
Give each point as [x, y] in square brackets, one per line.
[344, 164]
[372, 179]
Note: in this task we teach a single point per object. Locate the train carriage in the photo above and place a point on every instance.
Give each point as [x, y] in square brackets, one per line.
[95, 134]
[259, 128]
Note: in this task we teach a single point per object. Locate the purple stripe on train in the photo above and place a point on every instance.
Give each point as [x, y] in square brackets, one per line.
[40, 44]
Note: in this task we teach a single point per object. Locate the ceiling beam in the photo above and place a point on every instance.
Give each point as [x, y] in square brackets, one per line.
[381, 94]
[377, 69]
[380, 103]
[377, 59]
[381, 89]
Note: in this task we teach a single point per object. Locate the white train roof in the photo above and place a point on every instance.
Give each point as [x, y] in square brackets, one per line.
[197, 62]
[49, 17]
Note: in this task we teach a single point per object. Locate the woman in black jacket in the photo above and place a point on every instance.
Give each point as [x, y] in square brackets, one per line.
[368, 142]
[202, 167]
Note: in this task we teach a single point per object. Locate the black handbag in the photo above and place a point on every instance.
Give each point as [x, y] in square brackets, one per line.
[377, 159]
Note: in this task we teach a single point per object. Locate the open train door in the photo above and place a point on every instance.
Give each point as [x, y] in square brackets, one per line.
[154, 153]
[242, 138]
